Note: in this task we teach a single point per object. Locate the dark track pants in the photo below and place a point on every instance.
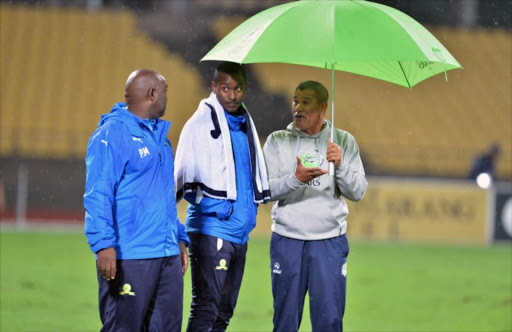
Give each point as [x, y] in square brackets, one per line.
[217, 268]
[317, 267]
[146, 295]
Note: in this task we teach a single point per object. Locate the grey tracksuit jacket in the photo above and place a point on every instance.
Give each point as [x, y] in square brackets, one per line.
[315, 210]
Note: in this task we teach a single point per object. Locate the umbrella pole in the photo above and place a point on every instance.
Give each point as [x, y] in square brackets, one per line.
[331, 164]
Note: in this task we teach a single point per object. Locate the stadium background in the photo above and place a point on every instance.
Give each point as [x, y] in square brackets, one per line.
[419, 258]
[64, 63]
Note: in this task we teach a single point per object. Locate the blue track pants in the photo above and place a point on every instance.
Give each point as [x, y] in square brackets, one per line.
[217, 267]
[317, 267]
[146, 295]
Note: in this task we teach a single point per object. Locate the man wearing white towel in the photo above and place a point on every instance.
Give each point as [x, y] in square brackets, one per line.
[220, 171]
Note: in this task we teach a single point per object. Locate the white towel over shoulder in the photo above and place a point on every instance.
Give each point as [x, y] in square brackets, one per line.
[204, 157]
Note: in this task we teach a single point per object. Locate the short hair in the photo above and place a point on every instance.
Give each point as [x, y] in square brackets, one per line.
[318, 89]
[232, 69]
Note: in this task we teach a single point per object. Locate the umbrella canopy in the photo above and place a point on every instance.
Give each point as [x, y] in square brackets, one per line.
[359, 37]
[354, 36]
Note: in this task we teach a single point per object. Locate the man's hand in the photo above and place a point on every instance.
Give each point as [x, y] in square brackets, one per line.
[334, 153]
[107, 263]
[184, 257]
[305, 174]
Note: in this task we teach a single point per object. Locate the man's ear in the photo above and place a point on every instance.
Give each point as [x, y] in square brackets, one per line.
[214, 87]
[324, 106]
[151, 94]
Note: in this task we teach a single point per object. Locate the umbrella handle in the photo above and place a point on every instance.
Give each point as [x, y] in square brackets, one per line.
[331, 164]
[331, 168]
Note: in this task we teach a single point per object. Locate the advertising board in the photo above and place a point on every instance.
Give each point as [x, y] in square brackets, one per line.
[421, 211]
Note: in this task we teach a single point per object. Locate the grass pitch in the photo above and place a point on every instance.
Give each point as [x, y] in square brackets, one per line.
[48, 283]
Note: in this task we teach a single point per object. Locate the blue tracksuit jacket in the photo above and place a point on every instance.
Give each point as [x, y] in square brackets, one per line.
[228, 220]
[129, 192]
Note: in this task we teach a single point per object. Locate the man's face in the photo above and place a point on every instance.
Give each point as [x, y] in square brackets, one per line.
[230, 91]
[308, 113]
[160, 102]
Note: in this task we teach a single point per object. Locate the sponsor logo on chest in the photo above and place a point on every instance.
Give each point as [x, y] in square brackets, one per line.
[144, 151]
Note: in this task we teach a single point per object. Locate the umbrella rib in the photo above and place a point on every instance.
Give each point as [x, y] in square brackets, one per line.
[403, 72]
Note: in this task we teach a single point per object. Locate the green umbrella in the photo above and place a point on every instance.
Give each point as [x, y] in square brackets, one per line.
[359, 37]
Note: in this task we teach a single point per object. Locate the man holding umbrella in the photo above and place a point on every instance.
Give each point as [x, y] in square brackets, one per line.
[309, 247]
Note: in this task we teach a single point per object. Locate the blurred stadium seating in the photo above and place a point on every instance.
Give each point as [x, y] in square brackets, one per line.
[62, 67]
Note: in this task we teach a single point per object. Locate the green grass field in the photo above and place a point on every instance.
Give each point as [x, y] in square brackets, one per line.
[48, 283]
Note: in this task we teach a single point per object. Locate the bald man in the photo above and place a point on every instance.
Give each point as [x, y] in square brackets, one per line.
[131, 220]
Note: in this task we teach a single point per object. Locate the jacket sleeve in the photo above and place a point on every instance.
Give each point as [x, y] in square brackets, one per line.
[350, 176]
[182, 234]
[280, 186]
[104, 169]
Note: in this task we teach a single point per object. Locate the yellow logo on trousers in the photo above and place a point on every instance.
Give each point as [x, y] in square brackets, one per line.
[127, 290]
[222, 265]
